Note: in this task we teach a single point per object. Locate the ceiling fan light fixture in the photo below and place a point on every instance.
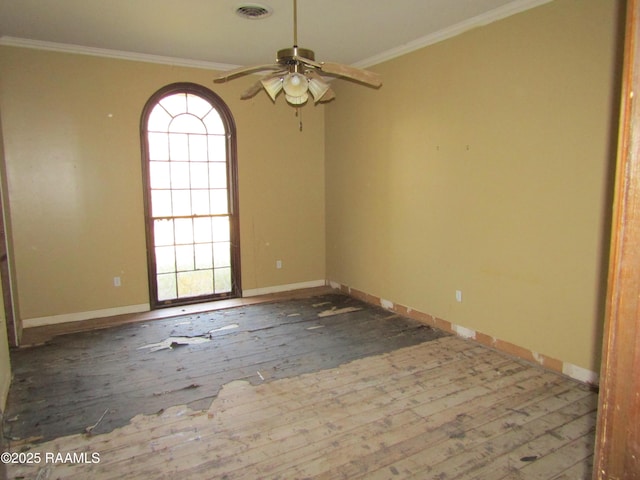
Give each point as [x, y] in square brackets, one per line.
[297, 100]
[273, 86]
[295, 71]
[295, 84]
[318, 88]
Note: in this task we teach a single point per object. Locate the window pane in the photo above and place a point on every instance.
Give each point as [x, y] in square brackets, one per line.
[221, 254]
[165, 260]
[223, 280]
[191, 284]
[204, 256]
[166, 286]
[181, 202]
[159, 176]
[214, 123]
[219, 202]
[217, 148]
[158, 146]
[184, 258]
[163, 232]
[198, 106]
[218, 175]
[198, 148]
[184, 231]
[199, 175]
[175, 104]
[180, 175]
[202, 230]
[160, 203]
[220, 229]
[200, 202]
[179, 147]
[186, 123]
[158, 120]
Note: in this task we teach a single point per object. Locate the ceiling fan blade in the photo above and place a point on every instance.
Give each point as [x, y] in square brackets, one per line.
[245, 71]
[251, 91]
[307, 61]
[363, 76]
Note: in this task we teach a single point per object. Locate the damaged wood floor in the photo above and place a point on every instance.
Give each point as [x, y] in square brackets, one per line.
[446, 408]
[68, 384]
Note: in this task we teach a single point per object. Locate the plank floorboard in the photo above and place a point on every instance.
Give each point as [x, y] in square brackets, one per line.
[488, 453]
[438, 407]
[64, 386]
[445, 424]
[581, 469]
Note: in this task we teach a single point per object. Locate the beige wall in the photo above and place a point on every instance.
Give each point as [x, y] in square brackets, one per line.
[71, 133]
[483, 165]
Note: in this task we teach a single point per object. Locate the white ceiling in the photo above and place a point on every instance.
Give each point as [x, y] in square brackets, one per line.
[357, 32]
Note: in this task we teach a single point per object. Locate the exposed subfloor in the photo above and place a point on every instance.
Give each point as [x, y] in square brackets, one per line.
[66, 385]
[427, 406]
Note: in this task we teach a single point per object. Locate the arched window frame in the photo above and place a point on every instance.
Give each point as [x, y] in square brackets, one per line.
[232, 185]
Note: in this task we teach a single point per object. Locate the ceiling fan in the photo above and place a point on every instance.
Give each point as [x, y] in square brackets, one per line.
[296, 72]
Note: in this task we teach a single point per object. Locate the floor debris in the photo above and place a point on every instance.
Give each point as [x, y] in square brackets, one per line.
[338, 311]
[316, 305]
[530, 458]
[188, 387]
[226, 327]
[90, 429]
[172, 342]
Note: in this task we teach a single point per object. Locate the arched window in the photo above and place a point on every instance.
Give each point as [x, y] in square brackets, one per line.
[191, 196]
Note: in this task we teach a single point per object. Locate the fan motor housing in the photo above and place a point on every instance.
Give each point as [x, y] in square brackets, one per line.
[286, 56]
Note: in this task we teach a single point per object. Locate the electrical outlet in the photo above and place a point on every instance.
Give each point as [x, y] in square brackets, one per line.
[278, 263]
[117, 282]
[458, 295]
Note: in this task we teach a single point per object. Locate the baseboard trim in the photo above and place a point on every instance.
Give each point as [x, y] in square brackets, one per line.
[80, 316]
[283, 288]
[570, 370]
[573, 371]
[145, 307]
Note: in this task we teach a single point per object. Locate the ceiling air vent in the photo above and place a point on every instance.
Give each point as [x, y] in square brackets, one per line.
[253, 11]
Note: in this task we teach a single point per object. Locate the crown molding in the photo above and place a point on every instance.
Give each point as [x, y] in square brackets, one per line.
[512, 8]
[118, 54]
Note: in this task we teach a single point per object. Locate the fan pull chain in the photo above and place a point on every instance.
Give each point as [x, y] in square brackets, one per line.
[299, 115]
